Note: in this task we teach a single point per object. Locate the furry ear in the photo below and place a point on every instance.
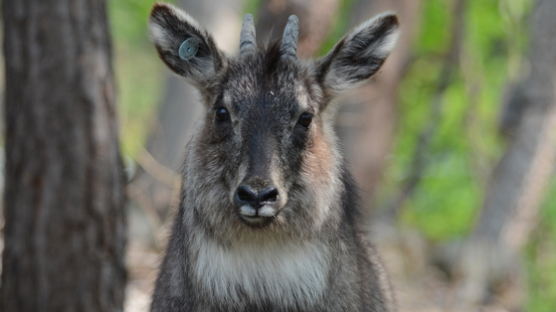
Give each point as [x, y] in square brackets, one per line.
[359, 54]
[183, 45]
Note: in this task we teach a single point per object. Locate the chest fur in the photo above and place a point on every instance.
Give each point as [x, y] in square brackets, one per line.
[284, 274]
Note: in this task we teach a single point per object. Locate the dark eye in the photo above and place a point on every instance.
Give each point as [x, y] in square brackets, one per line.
[305, 119]
[222, 114]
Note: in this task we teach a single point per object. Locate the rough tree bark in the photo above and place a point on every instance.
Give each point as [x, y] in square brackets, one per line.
[64, 198]
[490, 256]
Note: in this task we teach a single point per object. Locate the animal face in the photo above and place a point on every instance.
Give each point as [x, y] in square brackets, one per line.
[266, 158]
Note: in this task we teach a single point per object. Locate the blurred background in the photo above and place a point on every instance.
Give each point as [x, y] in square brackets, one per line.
[453, 142]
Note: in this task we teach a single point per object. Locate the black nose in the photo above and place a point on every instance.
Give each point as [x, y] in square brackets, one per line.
[245, 195]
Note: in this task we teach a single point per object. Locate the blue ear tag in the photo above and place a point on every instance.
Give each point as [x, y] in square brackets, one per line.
[188, 49]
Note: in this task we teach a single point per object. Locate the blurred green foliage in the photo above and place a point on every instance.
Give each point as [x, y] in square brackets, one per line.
[466, 143]
[340, 25]
[252, 6]
[138, 71]
[464, 148]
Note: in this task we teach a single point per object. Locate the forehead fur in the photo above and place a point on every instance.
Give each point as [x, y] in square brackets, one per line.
[265, 72]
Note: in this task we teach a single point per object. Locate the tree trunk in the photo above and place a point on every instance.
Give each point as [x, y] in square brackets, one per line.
[490, 257]
[516, 188]
[64, 198]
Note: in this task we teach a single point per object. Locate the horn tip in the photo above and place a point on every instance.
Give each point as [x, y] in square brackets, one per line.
[248, 17]
[293, 19]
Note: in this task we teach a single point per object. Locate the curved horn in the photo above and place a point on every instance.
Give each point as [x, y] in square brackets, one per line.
[289, 38]
[247, 41]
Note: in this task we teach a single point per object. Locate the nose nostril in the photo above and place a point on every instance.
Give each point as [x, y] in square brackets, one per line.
[245, 194]
[268, 195]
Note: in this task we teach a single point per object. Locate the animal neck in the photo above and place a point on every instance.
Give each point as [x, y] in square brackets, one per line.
[285, 273]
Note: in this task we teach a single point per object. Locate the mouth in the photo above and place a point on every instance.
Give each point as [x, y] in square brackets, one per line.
[257, 222]
[257, 218]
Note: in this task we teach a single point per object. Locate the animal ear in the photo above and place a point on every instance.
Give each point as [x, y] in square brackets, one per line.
[183, 45]
[359, 54]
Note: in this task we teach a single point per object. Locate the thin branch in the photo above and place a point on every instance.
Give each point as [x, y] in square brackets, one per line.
[157, 170]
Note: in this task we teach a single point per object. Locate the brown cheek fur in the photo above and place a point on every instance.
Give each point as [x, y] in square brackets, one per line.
[318, 161]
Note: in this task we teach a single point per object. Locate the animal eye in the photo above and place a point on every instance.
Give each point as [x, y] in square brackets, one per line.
[305, 119]
[222, 114]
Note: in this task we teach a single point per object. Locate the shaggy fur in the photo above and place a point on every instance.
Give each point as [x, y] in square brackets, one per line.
[267, 126]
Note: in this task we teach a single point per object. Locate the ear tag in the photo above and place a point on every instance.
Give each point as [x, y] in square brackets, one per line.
[188, 49]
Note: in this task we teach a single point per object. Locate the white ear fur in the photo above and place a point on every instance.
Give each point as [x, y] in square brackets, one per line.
[386, 44]
[169, 27]
[160, 35]
[360, 54]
